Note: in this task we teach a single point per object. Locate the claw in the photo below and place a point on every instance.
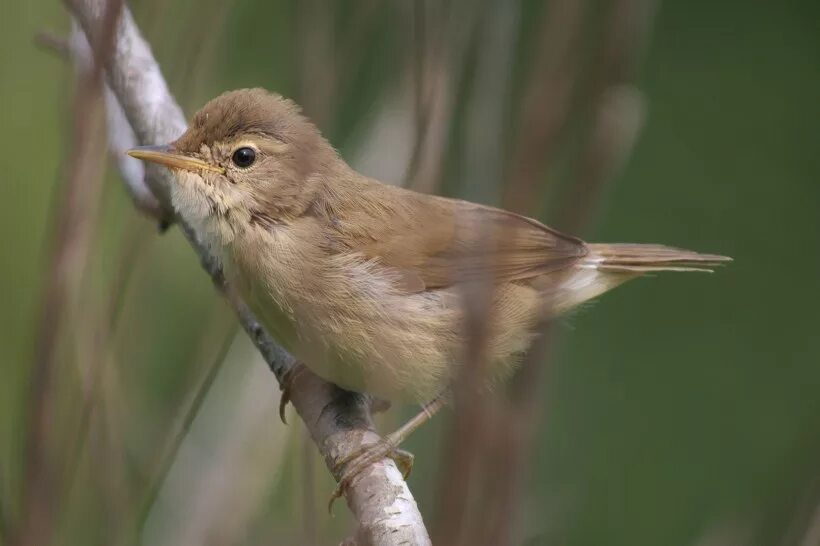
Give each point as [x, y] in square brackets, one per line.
[283, 403]
[287, 383]
[337, 494]
[404, 461]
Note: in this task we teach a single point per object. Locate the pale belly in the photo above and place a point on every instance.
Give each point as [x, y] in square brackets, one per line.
[410, 353]
[395, 347]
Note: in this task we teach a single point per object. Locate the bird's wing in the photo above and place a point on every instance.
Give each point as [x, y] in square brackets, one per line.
[432, 242]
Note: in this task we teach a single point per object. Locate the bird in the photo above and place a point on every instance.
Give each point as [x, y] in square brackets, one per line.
[368, 284]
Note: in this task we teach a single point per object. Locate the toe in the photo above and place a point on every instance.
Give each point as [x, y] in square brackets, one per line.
[283, 404]
[404, 461]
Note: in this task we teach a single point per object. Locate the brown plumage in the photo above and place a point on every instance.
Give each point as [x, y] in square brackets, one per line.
[365, 281]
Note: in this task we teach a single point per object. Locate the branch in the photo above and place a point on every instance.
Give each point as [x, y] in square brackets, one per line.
[338, 421]
[121, 136]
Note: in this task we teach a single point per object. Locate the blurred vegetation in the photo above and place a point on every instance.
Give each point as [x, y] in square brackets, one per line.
[681, 410]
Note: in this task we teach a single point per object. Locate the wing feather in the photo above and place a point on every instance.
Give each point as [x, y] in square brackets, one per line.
[432, 242]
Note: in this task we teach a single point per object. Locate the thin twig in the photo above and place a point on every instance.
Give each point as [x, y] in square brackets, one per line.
[199, 46]
[71, 236]
[121, 137]
[614, 132]
[170, 454]
[319, 73]
[421, 73]
[618, 109]
[54, 43]
[448, 44]
[545, 103]
[339, 422]
[353, 46]
[474, 407]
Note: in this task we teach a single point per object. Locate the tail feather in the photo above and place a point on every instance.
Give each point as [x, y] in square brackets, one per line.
[640, 258]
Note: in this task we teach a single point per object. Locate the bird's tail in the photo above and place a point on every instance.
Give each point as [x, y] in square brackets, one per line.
[609, 265]
[639, 259]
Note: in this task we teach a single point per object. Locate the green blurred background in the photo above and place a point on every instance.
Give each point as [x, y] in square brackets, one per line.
[679, 410]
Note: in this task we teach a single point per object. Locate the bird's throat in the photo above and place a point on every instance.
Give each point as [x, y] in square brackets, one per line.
[214, 215]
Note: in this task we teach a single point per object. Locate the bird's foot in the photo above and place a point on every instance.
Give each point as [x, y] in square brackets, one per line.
[358, 461]
[361, 459]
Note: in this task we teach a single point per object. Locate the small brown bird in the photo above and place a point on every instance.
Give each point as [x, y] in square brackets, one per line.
[365, 282]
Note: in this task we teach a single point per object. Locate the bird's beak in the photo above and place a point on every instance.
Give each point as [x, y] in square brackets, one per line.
[169, 157]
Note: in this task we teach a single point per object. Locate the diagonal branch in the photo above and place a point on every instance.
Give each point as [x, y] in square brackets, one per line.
[339, 422]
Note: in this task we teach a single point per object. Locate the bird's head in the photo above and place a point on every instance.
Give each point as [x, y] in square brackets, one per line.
[249, 152]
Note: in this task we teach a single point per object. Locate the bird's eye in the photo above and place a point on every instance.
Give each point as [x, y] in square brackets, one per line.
[244, 157]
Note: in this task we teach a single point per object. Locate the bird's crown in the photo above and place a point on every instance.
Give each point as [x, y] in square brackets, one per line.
[243, 112]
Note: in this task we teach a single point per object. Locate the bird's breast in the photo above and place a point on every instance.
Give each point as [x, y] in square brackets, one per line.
[344, 316]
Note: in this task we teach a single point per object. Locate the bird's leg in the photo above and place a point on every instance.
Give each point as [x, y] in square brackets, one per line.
[361, 459]
[287, 383]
